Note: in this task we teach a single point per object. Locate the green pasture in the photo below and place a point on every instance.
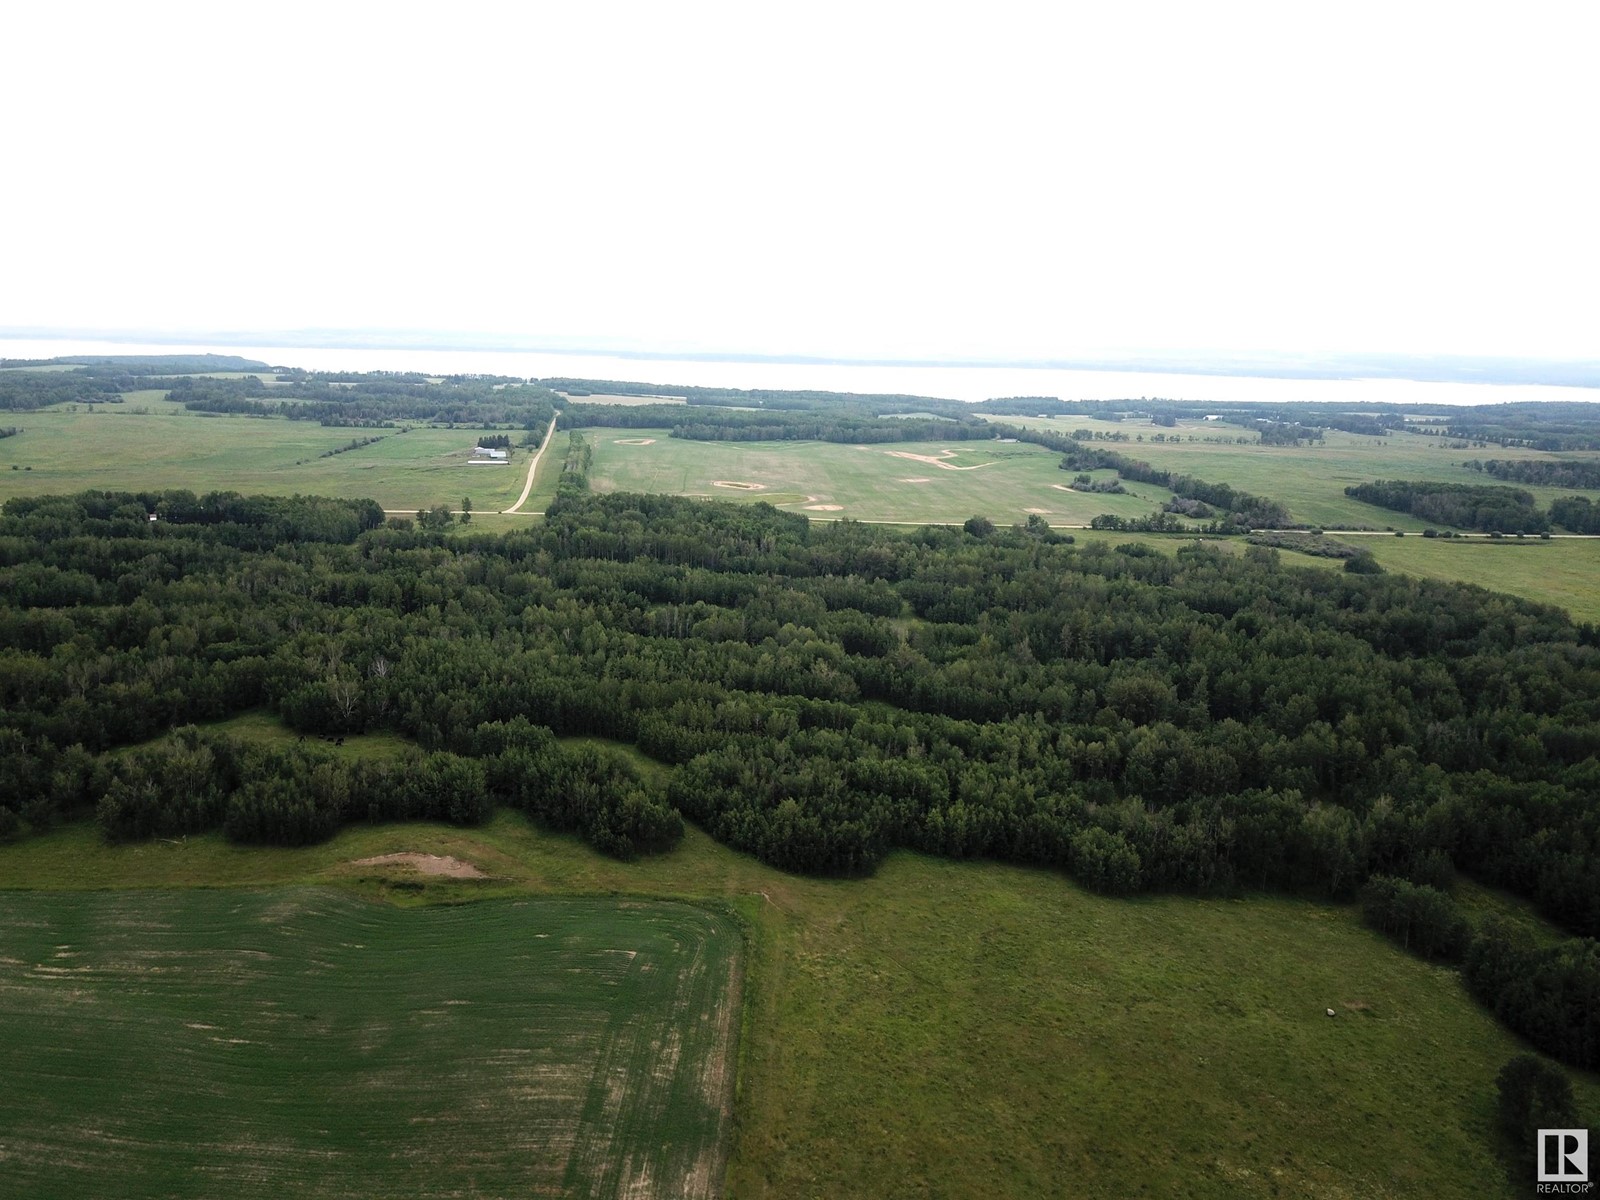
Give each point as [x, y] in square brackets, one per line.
[1309, 479]
[942, 1028]
[1005, 482]
[149, 443]
[1562, 571]
[308, 1042]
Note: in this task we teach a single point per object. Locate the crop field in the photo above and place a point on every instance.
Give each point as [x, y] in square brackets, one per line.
[164, 446]
[308, 1042]
[942, 1028]
[1309, 479]
[910, 482]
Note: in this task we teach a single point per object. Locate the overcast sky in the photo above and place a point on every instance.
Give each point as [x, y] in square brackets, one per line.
[853, 179]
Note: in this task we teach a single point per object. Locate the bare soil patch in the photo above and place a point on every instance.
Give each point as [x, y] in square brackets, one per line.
[825, 507]
[739, 485]
[633, 441]
[1061, 487]
[1041, 511]
[937, 460]
[425, 864]
[917, 479]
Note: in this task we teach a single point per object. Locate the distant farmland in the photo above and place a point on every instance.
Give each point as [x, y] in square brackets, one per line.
[154, 443]
[911, 482]
[304, 1042]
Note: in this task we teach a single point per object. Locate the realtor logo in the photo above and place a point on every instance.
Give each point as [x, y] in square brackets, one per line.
[1563, 1156]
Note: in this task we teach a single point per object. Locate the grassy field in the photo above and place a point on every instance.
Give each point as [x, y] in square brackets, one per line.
[1309, 479]
[1563, 571]
[164, 446]
[307, 1042]
[946, 482]
[965, 1029]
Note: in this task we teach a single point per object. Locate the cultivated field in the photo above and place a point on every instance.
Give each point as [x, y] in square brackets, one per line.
[307, 1042]
[903, 482]
[944, 1028]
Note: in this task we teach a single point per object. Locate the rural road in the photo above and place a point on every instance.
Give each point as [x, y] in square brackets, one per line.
[534, 466]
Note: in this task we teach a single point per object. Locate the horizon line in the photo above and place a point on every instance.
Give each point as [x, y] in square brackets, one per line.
[1434, 367]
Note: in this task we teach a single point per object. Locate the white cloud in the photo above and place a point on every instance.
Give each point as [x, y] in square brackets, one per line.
[855, 179]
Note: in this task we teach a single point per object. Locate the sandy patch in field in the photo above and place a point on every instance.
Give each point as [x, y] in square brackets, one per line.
[825, 507]
[734, 483]
[1040, 511]
[937, 460]
[425, 864]
[633, 441]
[917, 479]
[1061, 487]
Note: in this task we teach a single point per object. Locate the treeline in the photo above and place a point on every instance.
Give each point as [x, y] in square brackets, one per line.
[1577, 513]
[194, 781]
[1540, 472]
[766, 399]
[1315, 545]
[1366, 419]
[834, 424]
[1548, 994]
[372, 401]
[1241, 508]
[1286, 433]
[120, 365]
[292, 375]
[1485, 507]
[1532, 425]
[353, 444]
[28, 391]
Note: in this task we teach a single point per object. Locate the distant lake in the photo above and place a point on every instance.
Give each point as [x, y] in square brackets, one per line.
[957, 383]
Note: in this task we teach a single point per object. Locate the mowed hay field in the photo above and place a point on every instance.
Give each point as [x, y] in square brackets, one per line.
[900, 482]
[968, 1029]
[122, 449]
[308, 1042]
[1309, 479]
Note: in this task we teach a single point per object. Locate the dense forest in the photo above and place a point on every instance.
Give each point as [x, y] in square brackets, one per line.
[1544, 472]
[371, 400]
[1577, 513]
[823, 694]
[832, 424]
[1485, 507]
